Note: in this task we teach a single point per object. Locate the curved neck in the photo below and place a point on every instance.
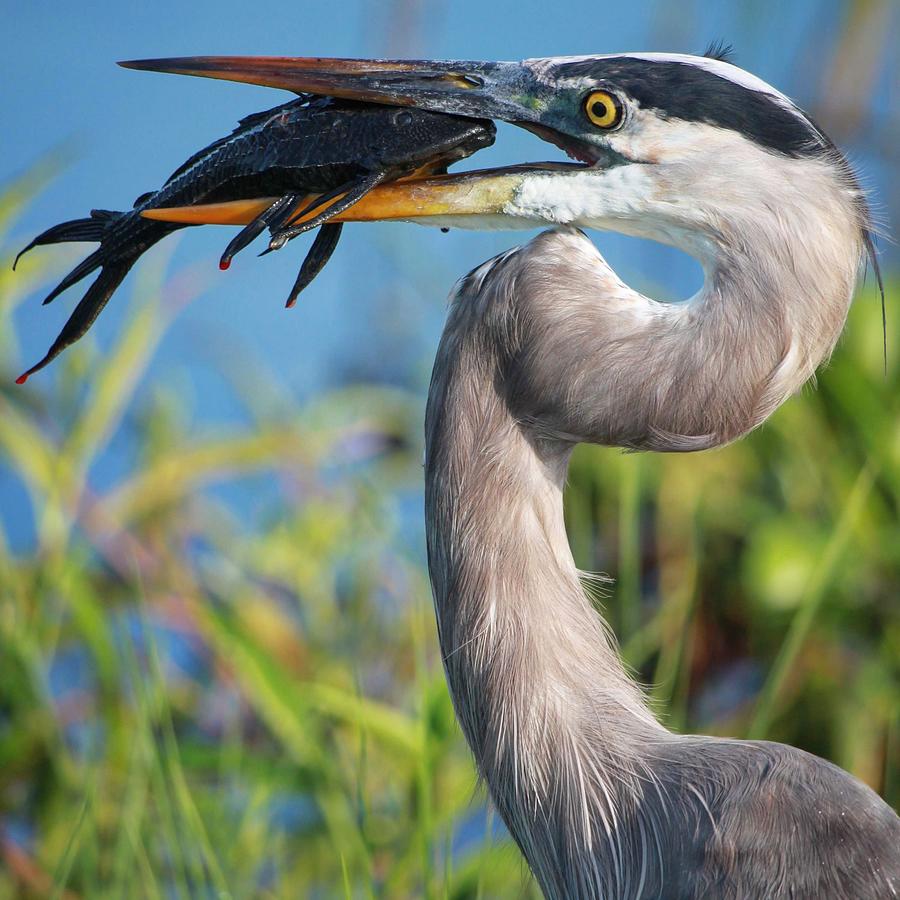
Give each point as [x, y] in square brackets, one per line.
[780, 240]
[513, 617]
[557, 728]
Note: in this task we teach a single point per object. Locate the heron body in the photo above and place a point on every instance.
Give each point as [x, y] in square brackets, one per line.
[546, 347]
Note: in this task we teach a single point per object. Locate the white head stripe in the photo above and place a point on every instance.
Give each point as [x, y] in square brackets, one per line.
[715, 66]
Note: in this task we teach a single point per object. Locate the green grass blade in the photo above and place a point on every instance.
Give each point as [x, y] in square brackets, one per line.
[188, 808]
[804, 617]
[64, 868]
[628, 592]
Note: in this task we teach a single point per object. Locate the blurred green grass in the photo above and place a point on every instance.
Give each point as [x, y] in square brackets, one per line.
[192, 704]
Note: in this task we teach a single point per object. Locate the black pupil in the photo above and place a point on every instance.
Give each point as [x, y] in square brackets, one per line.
[598, 108]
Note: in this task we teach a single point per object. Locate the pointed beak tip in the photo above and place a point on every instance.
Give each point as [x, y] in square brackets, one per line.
[132, 63]
[144, 65]
[175, 65]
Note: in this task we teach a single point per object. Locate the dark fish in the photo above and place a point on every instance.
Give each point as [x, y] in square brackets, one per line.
[318, 155]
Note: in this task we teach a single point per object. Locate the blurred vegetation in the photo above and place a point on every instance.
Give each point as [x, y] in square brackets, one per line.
[194, 704]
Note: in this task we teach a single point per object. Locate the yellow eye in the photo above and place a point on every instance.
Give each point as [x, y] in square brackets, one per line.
[603, 109]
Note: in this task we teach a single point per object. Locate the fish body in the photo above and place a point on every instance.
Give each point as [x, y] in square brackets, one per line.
[337, 150]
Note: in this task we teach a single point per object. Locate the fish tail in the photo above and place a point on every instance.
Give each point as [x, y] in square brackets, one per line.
[123, 239]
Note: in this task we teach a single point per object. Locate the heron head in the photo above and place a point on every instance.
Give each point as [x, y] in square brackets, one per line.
[689, 150]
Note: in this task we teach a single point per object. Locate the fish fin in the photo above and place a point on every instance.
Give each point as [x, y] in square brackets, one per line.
[88, 309]
[281, 210]
[319, 254]
[353, 195]
[275, 226]
[90, 229]
[82, 270]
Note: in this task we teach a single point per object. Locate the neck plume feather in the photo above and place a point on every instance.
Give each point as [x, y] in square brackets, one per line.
[544, 347]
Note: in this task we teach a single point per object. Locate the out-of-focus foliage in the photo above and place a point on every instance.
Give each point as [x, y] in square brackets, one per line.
[193, 702]
[198, 702]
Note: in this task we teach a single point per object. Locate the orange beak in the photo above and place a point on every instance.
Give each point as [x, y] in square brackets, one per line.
[436, 200]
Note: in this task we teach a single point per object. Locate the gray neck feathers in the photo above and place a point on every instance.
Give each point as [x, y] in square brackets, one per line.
[557, 728]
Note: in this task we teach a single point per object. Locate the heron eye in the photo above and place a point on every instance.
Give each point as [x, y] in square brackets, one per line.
[603, 109]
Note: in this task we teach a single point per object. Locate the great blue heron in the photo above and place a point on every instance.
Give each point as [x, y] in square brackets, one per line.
[546, 347]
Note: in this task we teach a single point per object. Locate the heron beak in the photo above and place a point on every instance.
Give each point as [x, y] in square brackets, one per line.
[507, 91]
[488, 90]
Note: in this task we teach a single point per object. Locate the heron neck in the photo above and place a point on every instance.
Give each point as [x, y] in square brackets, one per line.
[555, 724]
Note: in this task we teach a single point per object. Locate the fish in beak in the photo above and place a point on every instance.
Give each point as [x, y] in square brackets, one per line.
[317, 156]
[508, 91]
